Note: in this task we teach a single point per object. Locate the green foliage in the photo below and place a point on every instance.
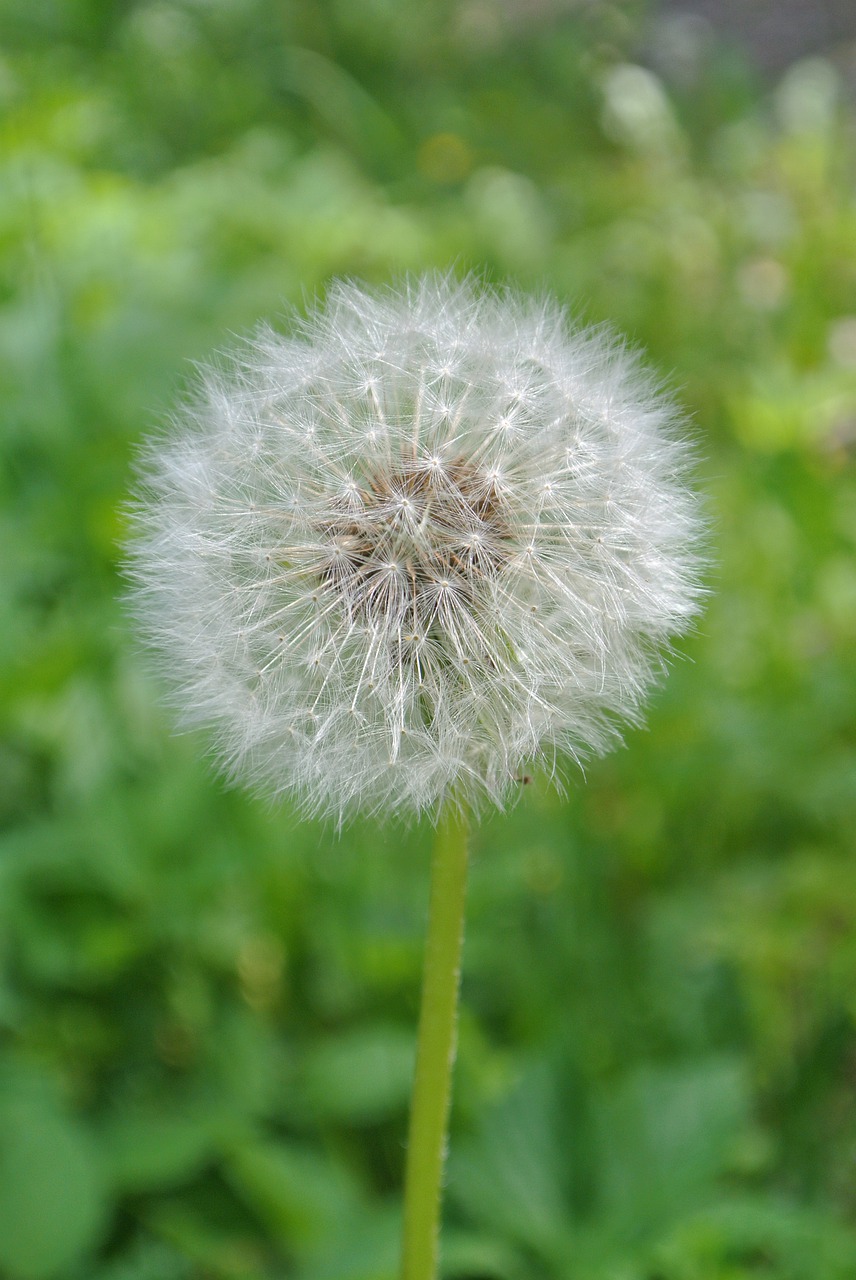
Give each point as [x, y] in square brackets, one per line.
[207, 1008]
[51, 1192]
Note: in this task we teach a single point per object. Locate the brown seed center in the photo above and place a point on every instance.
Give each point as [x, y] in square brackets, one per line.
[416, 540]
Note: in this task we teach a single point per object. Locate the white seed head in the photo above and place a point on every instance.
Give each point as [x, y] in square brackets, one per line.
[434, 535]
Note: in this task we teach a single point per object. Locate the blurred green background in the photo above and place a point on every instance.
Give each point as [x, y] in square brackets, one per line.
[207, 1008]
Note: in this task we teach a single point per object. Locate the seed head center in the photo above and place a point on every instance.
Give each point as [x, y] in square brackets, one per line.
[416, 538]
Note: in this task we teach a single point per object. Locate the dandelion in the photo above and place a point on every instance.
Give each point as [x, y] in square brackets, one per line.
[431, 539]
[434, 537]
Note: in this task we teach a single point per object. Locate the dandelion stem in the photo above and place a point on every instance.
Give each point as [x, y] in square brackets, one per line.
[435, 1053]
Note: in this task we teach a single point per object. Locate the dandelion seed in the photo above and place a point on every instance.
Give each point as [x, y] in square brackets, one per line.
[431, 538]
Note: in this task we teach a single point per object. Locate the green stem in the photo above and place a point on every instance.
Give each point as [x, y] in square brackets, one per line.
[435, 1052]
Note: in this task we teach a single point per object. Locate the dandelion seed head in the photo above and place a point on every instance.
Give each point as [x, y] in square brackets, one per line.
[433, 535]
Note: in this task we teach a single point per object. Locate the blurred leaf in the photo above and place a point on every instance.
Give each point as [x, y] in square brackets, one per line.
[361, 1076]
[764, 1235]
[664, 1135]
[52, 1201]
[159, 1145]
[303, 1197]
[476, 1255]
[510, 1175]
[366, 1246]
[152, 1260]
